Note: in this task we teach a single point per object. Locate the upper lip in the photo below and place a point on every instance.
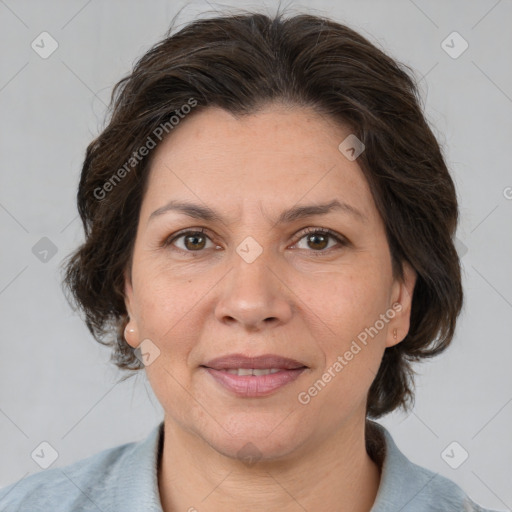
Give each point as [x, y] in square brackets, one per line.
[264, 361]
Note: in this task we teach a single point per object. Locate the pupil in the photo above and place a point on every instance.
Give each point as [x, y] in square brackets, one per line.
[312, 237]
[194, 239]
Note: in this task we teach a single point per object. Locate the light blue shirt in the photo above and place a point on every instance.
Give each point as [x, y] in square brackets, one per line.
[124, 479]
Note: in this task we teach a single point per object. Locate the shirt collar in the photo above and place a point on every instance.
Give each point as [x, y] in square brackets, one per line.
[137, 486]
[402, 483]
[401, 480]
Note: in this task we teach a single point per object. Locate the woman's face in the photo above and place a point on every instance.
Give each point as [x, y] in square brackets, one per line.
[255, 282]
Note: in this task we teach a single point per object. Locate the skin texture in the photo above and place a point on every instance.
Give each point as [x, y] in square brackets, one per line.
[300, 298]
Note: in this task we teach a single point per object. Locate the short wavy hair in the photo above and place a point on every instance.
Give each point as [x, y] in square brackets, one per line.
[240, 63]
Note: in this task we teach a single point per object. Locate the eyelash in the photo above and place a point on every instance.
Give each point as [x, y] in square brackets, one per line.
[202, 231]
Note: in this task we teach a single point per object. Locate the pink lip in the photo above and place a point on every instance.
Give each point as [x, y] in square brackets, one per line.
[251, 386]
[268, 361]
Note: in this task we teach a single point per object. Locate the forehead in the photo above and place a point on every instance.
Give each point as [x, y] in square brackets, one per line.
[278, 156]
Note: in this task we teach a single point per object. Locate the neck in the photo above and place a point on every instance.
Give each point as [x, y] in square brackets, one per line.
[334, 474]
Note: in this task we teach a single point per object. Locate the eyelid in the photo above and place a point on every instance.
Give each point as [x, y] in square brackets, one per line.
[326, 231]
[340, 239]
[299, 236]
[171, 238]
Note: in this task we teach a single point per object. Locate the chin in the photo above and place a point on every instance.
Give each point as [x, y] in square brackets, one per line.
[251, 451]
[252, 440]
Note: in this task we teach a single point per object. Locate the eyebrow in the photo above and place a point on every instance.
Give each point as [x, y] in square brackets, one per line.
[295, 213]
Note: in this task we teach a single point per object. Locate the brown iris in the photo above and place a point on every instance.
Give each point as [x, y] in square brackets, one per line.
[193, 238]
[316, 236]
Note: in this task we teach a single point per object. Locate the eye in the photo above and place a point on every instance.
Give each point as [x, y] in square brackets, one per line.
[318, 239]
[193, 241]
[197, 240]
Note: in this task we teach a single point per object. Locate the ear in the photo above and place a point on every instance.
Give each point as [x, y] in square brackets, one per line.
[131, 334]
[401, 303]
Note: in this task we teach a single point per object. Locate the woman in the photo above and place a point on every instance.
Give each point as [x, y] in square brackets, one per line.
[269, 224]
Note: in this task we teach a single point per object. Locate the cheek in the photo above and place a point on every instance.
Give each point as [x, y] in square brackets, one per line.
[162, 308]
[346, 302]
[162, 297]
[349, 309]
[167, 309]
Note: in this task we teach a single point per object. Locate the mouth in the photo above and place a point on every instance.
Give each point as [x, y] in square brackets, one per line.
[262, 362]
[242, 372]
[252, 377]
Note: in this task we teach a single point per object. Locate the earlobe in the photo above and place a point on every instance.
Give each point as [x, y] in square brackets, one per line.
[130, 335]
[130, 330]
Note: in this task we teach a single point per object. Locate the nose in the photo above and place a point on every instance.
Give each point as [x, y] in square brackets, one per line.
[254, 295]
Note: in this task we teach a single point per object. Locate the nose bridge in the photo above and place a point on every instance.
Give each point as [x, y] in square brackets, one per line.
[252, 293]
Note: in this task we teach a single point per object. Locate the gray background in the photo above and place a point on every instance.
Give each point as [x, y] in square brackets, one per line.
[56, 382]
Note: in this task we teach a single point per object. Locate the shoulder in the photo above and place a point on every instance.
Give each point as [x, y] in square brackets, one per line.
[103, 481]
[409, 487]
[436, 492]
[65, 488]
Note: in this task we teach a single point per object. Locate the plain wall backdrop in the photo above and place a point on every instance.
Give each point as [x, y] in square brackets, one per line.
[57, 384]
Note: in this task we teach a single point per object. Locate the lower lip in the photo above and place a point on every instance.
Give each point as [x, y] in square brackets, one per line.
[250, 386]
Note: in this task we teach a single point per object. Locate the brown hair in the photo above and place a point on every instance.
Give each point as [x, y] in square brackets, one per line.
[240, 63]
